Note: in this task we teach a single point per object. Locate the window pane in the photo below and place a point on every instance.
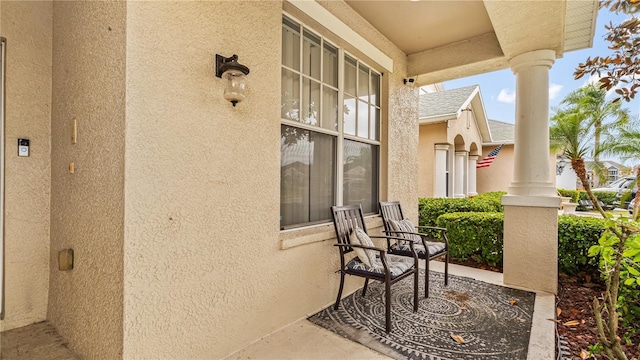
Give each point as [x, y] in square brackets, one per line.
[374, 123]
[363, 83]
[349, 115]
[375, 89]
[361, 175]
[350, 75]
[363, 119]
[310, 102]
[330, 109]
[290, 97]
[311, 55]
[307, 176]
[330, 65]
[290, 44]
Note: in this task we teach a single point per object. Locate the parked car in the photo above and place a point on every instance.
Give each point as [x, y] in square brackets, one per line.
[626, 196]
[616, 186]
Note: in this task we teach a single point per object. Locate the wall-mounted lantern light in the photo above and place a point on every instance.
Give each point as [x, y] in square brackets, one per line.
[235, 75]
[560, 165]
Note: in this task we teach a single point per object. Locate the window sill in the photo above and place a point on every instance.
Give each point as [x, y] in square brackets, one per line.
[318, 233]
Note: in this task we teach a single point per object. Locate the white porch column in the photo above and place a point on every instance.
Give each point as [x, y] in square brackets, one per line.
[460, 174]
[440, 175]
[531, 207]
[473, 161]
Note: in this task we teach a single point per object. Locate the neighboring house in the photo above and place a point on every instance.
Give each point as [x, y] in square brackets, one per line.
[452, 127]
[173, 200]
[499, 175]
[454, 134]
[611, 171]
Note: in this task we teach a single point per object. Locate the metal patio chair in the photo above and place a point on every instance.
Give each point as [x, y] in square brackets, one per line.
[349, 224]
[428, 247]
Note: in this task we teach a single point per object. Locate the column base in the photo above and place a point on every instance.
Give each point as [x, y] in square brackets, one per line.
[543, 188]
[531, 245]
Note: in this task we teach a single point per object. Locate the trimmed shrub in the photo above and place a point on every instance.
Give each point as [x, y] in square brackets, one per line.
[477, 234]
[576, 235]
[607, 198]
[573, 194]
[430, 208]
[494, 198]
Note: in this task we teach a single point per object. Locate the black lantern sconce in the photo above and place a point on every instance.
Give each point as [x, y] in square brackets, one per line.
[235, 75]
[560, 165]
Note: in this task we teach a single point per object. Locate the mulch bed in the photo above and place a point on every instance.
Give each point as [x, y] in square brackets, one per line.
[575, 301]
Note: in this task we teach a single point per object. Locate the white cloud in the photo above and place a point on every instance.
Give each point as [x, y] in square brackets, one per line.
[507, 96]
[554, 89]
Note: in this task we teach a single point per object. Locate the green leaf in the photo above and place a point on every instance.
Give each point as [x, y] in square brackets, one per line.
[633, 271]
[594, 250]
[630, 281]
[631, 252]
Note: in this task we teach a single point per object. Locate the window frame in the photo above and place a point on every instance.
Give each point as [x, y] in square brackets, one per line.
[340, 135]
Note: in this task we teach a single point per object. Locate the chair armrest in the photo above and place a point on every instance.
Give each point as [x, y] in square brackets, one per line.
[411, 243]
[361, 246]
[431, 227]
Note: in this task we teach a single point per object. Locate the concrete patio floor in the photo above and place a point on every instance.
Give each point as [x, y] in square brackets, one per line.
[300, 340]
[304, 340]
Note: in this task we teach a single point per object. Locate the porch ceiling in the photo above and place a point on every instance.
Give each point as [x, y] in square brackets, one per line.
[451, 39]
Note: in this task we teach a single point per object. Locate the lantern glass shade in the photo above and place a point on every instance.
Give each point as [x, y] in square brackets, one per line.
[236, 83]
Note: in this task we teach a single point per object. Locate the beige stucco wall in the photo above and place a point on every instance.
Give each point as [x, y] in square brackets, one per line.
[27, 27]
[531, 247]
[464, 127]
[87, 207]
[429, 136]
[499, 175]
[204, 270]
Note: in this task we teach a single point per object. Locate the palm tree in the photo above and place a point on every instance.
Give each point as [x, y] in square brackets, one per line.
[604, 115]
[626, 144]
[571, 135]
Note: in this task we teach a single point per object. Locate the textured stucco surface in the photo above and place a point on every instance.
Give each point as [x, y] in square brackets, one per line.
[87, 207]
[27, 28]
[429, 136]
[531, 247]
[203, 250]
[464, 127]
[499, 175]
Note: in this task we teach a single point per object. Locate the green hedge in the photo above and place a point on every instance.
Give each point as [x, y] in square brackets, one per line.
[477, 234]
[573, 194]
[576, 235]
[607, 198]
[430, 208]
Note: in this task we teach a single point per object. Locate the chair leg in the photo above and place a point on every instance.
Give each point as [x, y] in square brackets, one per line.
[446, 269]
[364, 289]
[415, 290]
[426, 278]
[387, 305]
[335, 307]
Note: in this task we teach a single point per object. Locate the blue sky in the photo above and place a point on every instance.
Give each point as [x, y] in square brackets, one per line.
[498, 88]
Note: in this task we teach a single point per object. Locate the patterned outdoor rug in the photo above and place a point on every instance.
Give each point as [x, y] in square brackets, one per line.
[493, 321]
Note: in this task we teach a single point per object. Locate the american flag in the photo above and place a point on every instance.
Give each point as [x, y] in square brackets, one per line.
[486, 162]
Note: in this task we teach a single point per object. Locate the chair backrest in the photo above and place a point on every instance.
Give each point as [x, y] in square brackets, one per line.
[345, 219]
[390, 210]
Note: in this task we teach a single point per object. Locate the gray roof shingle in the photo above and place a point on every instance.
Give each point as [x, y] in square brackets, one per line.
[502, 131]
[444, 102]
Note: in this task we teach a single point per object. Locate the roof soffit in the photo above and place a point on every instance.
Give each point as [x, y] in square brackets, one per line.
[488, 33]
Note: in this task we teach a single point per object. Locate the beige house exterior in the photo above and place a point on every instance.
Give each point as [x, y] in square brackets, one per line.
[170, 197]
[498, 176]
